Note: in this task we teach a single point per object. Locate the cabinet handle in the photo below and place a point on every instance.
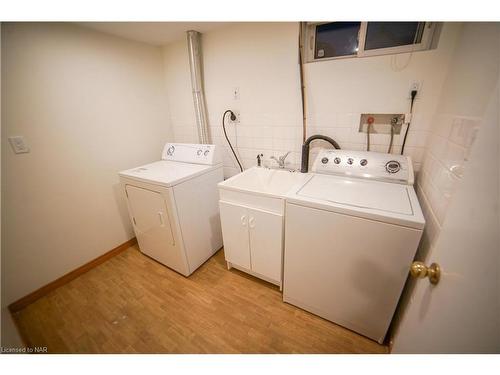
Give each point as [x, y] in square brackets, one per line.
[251, 222]
[160, 215]
[244, 220]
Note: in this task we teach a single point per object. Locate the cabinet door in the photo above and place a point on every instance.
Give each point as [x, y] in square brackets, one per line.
[234, 220]
[266, 242]
[153, 228]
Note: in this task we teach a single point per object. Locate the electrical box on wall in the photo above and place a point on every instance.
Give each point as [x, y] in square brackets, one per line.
[415, 86]
[381, 123]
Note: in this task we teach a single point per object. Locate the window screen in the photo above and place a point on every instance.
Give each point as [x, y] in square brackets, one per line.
[392, 34]
[336, 39]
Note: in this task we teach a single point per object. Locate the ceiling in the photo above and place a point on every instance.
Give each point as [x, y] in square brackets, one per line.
[156, 33]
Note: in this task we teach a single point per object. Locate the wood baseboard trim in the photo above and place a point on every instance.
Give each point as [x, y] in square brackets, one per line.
[33, 296]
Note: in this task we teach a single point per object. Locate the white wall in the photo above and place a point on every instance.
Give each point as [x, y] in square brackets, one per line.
[469, 84]
[340, 90]
[261, 59]
[9, 337]
[89, 105]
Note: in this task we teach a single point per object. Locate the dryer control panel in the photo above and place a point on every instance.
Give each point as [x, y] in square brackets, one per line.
[365, 164]
[191, 153]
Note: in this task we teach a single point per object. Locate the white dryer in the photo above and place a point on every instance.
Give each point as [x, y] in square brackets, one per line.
[173, 205]
[352, 231]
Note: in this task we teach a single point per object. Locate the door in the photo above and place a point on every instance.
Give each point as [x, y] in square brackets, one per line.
[234, 220]
[461, 314]
[266, 240]
[153, 228]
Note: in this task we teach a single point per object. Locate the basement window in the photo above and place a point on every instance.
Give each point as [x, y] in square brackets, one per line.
[336, 39]
[333, 40]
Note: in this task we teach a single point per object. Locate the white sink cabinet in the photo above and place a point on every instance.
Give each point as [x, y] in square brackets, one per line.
[252, 210]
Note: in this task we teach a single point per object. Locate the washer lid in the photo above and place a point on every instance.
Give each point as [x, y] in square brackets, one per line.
[382, 196]
[166, 173]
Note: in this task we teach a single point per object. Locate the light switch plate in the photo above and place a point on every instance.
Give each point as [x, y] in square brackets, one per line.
[19, 145]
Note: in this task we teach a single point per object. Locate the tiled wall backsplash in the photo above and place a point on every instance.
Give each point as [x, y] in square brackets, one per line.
[442, 169]
[249, 141]
[465, 95]
[344, 128]
[277, 139]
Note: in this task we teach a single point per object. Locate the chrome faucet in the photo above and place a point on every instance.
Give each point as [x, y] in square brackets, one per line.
[281, 159]
[259, 159]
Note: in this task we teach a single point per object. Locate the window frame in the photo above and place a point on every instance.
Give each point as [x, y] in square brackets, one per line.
[309, 44]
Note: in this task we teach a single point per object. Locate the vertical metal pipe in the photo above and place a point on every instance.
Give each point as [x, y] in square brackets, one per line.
[302, 34]
[194, 52]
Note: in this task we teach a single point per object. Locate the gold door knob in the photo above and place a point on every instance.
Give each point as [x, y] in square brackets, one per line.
[421, 271]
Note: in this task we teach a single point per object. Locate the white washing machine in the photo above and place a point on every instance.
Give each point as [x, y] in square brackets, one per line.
[173, 205]
[352, 231]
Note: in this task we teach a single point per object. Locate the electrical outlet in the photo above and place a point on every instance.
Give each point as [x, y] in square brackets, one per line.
[415, 86]
[236, 93]
[237, 114]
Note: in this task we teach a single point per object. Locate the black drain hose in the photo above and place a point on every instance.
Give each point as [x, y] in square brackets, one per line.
[233, 117]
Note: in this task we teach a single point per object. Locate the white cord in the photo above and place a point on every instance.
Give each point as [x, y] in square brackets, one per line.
[394, 62]
[394, 58]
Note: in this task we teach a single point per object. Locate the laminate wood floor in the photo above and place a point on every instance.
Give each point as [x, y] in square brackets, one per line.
[132, 304]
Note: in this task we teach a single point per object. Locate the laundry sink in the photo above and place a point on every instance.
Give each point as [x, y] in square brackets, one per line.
[252, 214]
[265, 181]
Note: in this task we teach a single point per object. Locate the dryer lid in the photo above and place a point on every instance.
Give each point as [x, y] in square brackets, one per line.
[166, 173]
[382, 196]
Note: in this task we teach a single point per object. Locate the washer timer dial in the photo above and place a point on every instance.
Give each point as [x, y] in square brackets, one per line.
[393, 166]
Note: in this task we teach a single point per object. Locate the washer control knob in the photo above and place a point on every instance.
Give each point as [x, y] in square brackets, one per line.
[393, 166]
[206, 152]
[170, 150]
[199, 152]
[363, 162]
[337, 160]
[350, 161]
[324, 160]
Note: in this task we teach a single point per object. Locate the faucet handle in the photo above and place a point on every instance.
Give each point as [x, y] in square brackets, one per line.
[283, 157]
[259, 159]
[280, 159]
